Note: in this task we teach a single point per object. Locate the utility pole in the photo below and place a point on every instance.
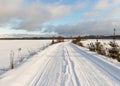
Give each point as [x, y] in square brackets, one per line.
[97, 39]
[97, 44]
[114, 36]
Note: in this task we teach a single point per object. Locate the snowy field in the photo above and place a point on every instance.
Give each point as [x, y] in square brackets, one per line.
[63, 64]
[26, 46]
[105, 42]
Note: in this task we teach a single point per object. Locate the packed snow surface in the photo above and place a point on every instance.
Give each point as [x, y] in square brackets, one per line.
[63, 64]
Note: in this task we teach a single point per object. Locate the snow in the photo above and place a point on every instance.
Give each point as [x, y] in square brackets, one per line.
[105, 42]
[63, 64]
[26, 46]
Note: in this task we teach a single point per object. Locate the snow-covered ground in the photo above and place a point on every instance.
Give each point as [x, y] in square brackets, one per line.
[105, 42]
[63, 64]
[26, 46]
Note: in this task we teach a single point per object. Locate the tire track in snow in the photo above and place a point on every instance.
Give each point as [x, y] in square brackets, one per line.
[108, 69]
[42, 70]
[51, 72]
[87, 72]
[37, 77]
[76, 82]
[64, 76]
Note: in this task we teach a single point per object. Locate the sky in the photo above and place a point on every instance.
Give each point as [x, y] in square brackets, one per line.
[59, 17]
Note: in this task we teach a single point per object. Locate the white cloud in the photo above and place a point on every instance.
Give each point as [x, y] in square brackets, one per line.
[59, 10]
[103, 9]
[102, 5]
[106, 4]
[9, 8]
[34, 13]
[114, 14]
[90, 15]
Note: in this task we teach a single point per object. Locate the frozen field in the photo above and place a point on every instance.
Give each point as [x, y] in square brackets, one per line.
[26, 46]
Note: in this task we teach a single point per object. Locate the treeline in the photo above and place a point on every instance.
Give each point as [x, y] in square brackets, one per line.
[37, 38]
[57, 40]
[57, 37]
[100, 37]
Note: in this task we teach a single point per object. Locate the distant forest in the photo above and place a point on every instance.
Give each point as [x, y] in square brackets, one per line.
[47, 38]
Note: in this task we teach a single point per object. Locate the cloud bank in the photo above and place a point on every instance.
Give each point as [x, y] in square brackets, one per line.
[99, 17]
[101, 27]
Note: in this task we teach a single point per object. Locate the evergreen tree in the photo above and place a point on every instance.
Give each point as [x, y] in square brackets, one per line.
[114, 51]
[100, 48]
[77, 41]
[53, 41]
[91, 47]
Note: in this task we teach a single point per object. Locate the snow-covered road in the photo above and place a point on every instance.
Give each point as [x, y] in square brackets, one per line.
[63, 64]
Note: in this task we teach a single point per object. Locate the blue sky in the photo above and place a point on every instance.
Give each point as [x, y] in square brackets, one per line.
[59, 17]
